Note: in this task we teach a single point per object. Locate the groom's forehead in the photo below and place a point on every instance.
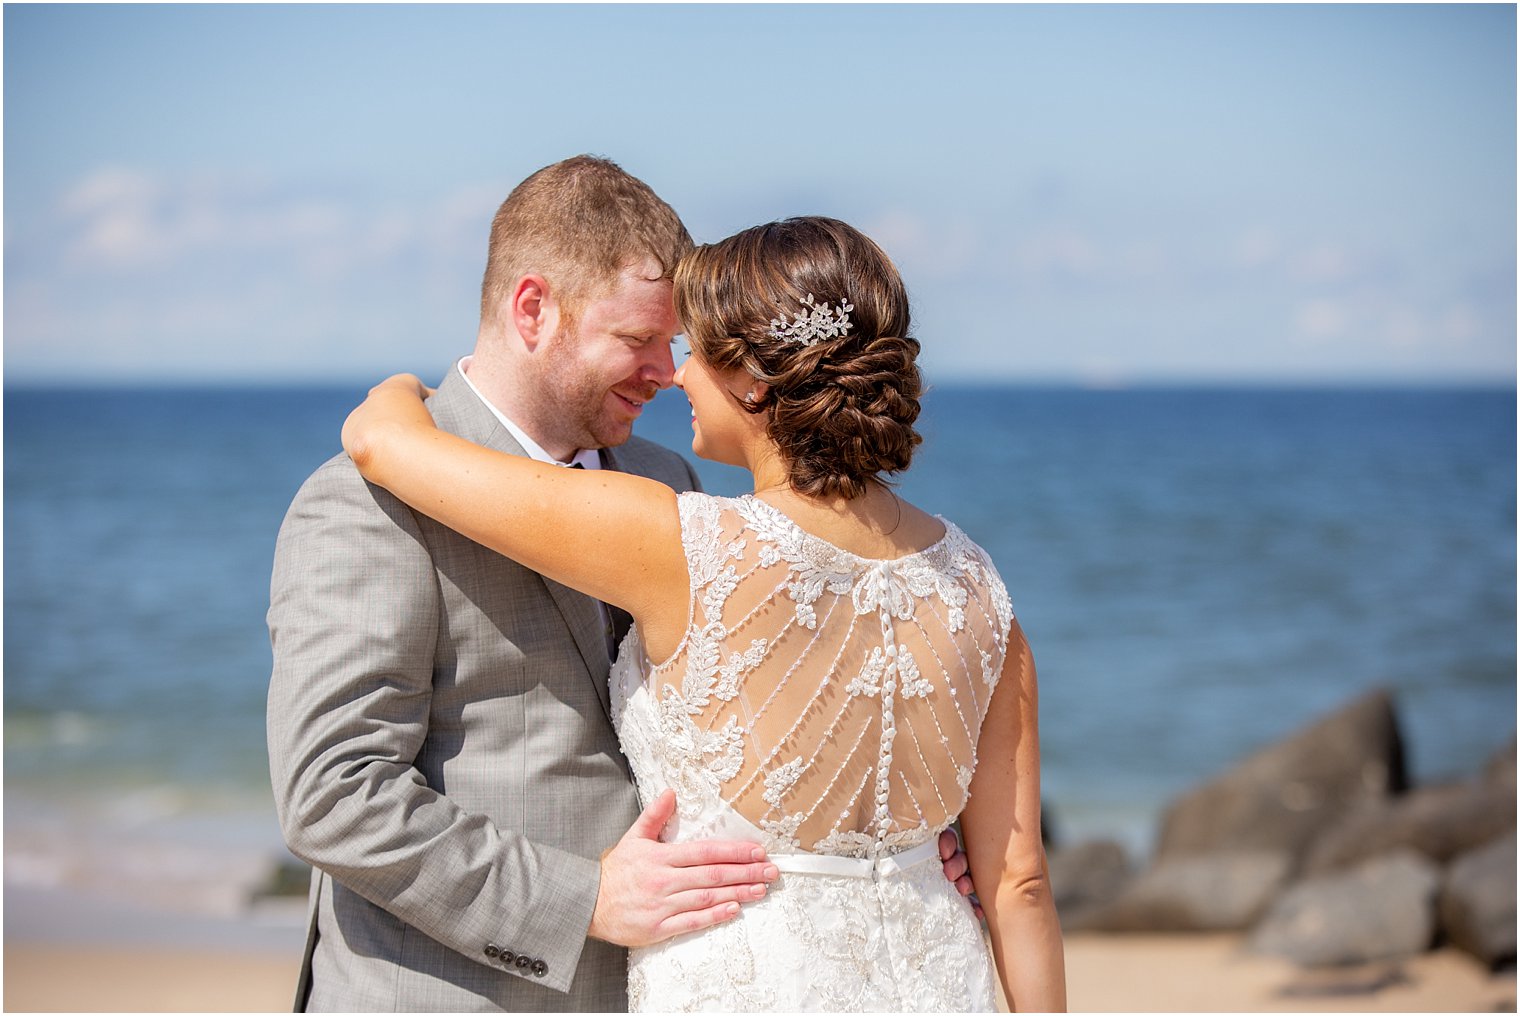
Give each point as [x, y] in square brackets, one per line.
[642, 304]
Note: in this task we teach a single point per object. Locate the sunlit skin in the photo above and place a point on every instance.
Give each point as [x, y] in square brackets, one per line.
[720, 426]
[581, 383]
[617, 537]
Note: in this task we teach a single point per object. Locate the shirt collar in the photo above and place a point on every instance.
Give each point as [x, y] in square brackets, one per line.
[589, 458]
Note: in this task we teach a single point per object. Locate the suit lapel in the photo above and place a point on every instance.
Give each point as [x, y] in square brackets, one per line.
[584, 619]
[457, 409]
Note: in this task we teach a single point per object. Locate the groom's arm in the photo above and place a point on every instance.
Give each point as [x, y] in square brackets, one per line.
[353, 618]
[354, 609]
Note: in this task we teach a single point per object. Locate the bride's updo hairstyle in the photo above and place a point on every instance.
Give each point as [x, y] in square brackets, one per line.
[813, 308]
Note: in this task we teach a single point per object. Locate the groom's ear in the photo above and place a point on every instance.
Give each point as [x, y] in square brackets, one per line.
[533, 310]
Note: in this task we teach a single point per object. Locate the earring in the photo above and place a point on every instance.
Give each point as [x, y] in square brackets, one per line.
[750, 397]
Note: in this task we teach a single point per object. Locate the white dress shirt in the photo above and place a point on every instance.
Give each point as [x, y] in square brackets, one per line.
[589, 458]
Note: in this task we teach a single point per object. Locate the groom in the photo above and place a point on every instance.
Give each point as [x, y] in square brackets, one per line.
[440, 738]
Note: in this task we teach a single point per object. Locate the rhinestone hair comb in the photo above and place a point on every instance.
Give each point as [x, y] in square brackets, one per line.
[814, 323]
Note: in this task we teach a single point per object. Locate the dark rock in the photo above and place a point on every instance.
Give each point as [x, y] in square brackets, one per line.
[1439, 822]
[1283, 797]
[1220, 892]
[287, 877]
[1381, 909]
[1087, 875]
[1500, 768]
[1478, 902]
[1048, 838]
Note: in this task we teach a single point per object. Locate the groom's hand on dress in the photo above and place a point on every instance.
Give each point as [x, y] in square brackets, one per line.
[958, 867]
[652, 891]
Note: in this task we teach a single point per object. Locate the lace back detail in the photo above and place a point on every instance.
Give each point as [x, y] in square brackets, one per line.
[833, 701]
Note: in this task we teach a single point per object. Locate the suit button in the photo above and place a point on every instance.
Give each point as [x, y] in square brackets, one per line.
[524, 962]
[492, 950]
[540, 968]
[507, 956]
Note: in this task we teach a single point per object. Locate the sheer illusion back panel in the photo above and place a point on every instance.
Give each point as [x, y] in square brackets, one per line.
[837, 699]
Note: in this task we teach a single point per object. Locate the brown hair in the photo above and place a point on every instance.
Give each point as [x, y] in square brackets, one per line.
[841, 410]
[578, 223]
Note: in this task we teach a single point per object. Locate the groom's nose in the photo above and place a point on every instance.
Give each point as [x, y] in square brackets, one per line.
[659, 366]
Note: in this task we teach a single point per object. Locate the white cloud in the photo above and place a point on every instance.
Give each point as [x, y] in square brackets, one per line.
[1257, 247]
[1323, 264]
[1061, 251]
[1320, 321]
[930, 248]
[1377, 321]
[123, 221]
[1460, 325]
[130, 272]
[224, 274]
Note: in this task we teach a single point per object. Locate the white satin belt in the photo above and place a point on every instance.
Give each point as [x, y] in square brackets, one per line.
[856, 867]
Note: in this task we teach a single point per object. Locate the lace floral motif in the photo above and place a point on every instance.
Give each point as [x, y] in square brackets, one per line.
[749, 713]
[825, 703]
[822, 943]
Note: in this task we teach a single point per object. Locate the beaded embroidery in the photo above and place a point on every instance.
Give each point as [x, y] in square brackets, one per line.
[833, 701]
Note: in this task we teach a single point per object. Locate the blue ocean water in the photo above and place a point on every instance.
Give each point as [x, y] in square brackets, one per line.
[1199, 571]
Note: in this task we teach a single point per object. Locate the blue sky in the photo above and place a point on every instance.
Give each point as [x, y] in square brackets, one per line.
[1095, 193]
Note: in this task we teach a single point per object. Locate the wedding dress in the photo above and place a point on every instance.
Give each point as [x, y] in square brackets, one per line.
[828, 707]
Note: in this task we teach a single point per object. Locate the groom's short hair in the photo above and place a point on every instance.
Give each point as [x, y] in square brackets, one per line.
[578, 223]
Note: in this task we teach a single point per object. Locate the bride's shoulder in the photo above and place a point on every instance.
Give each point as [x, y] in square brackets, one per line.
[971, 561]
[699, 500]
[961, 546]
[705, 511]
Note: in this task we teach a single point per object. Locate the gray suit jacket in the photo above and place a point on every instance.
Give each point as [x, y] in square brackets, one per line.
[442, 751]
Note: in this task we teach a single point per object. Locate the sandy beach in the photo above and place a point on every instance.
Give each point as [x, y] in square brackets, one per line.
[53, 978]
[1132, 973]
[1212, 973]
[100, 929]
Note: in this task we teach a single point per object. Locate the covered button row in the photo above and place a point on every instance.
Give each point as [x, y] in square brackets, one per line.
[522, 961]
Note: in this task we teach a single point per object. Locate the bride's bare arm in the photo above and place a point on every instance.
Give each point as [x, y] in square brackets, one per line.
[611, 535]
[1001, 824]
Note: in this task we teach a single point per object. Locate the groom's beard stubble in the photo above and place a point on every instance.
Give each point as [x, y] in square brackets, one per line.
[577, 403]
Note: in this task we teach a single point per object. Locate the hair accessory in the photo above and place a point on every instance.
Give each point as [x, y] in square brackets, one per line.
[813, 324]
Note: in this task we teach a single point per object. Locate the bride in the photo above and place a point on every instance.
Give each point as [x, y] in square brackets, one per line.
[819, 666]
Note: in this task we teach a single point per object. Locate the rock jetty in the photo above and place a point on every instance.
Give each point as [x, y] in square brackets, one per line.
[1320, 850]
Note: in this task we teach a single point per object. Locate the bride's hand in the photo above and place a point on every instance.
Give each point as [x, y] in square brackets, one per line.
[395, 403]
[403, 383]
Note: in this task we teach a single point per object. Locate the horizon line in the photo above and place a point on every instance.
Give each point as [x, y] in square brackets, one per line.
[59, 382]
